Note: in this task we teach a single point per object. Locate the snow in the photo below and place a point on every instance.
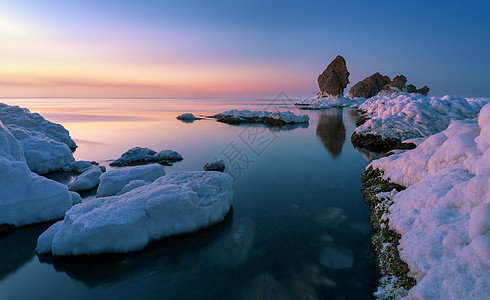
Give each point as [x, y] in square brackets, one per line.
[114, 181]
[132, 185]
[47, 146]
[245, 115]
[133, 155]
[25, 197]
[168, 155]
[177, 203]
[87, 180]
[78, 166]
[187, 117]
[443, 215]
[314, 103]
[408, 116]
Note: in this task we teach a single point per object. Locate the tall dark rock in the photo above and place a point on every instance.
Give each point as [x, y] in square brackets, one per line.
[334, 79]
[369, 86]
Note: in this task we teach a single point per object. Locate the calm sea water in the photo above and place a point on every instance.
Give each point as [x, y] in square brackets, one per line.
[299, 228]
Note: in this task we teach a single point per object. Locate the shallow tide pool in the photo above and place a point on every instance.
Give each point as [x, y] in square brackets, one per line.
[299, 227]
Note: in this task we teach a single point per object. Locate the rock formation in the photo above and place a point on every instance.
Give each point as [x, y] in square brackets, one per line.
[370, 86]
[399, 82]
[334, 79]
[424, 90]
[411, 88]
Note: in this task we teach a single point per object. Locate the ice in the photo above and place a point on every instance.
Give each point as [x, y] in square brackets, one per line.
[78, 166]
[246, 116]
[25, 197]
[47, 146]
[314, 103]
[132, 185]
[168, 155]
[134, 155]
[187, 117]
[114, 181]
[408, 116]
[443, 215]
[177, 203]
[87, 180]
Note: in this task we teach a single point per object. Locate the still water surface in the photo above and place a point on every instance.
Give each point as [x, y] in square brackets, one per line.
[299, 228]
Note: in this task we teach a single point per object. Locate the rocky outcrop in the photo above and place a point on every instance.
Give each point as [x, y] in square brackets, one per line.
[334, 79]
[411, 88]
[217, 165]
[424, 90]
[399, 82]
[370, 86]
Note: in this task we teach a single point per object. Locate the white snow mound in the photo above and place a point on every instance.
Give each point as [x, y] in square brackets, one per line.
[443, 215]
[87, 180]
[177, 203]
[114, 181]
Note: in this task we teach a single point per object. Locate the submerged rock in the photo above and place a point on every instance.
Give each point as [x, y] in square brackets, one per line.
[177, 203]
[217, 165]
[334, 78]
[370, 86]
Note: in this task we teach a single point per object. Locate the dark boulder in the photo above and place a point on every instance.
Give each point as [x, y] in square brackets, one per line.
[370, 86]
[424, 90]
[334, 79]
[399, 82]
[411, 88]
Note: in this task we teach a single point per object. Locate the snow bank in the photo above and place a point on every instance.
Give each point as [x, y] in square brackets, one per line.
[47, 146]
[87, 180]
[25, 197]
[249, 116]
[177, 203]
[314, 103]
[114, 181]
[443, 215]
[407, 116]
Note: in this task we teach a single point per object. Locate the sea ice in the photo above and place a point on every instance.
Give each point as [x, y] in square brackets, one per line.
[443, 214]
[176, 203]
[78, 166]
[25, 197]
[132, 185]
[47, 146]
[114, 181]
[87, 180]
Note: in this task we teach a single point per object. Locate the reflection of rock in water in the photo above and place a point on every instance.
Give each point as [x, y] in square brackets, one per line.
[369, 156]
[331, 130]
[17, 248]
[336, 257]
[233, 249]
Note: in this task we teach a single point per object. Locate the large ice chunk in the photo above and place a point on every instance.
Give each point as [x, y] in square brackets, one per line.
[87, 180]
[25, 197]
[177, 203]
[114, 181]
[47, 146]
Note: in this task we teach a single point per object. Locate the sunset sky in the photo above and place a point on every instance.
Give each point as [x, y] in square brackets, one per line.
[236, 48]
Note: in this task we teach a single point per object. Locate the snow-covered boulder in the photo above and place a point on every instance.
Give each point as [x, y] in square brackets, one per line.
[187, 117]
[78, 166]
[25, 197]
[47, 146]
[132, 185]
[177, 203]
[269, 118]
[135, 155]
[87, 180]
[217, 165]
[168, 155]
[315, 103]
[443, 214]
[114, 181]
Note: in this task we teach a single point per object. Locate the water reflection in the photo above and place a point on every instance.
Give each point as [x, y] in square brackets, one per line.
[331, 130]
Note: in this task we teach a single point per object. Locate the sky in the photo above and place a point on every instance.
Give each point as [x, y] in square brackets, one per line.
[237, 48]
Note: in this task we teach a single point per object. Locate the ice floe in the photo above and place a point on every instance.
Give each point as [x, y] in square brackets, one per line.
[408, 116]
[114, 181]
[443, 214]
[176, 203]
[25, 197]
[269, 118]
[47, 146]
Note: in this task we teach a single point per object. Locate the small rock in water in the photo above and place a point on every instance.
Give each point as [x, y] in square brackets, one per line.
[336, 257]
[135, 155]
[187, 117]
[168, 155]
[218, 165]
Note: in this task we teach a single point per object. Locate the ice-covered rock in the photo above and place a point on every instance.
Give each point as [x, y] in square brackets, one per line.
[47, 146]
[404, 116]
[168, 155]
[132, 185]
[114, 181]
[25, 197]
[269, 118]
[315, 103]
[78, 166]
[87, 180]
[187, 117]
[177, 203]
[217, 165]
[443, 214]
[135, 155]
